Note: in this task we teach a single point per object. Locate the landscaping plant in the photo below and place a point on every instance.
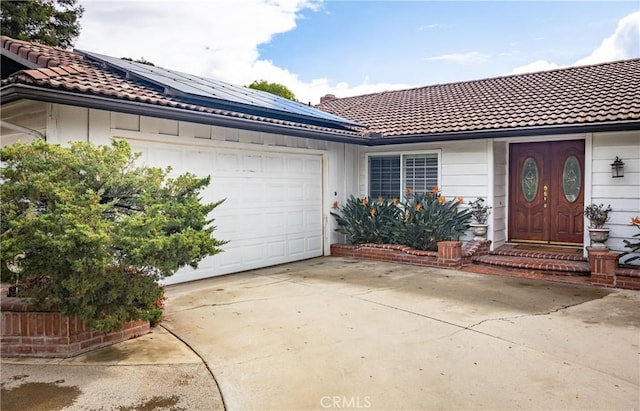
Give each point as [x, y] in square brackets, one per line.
[430, 218]
[97, 231]
[479, 211]
[634, 247]
[420, 221]
[597, 214]
[364, 221]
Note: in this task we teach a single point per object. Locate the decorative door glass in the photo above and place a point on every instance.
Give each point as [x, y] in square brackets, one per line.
[530, 178]
[571, 179]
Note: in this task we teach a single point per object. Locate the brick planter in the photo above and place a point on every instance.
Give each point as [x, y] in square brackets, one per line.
[605, 270]
[32, 333]
[450, 254]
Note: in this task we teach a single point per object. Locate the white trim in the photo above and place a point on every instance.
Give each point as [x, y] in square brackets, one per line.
[536, 139]
[490, 189]
[588, 188]
[203, 142]
[588, 141]
[326, 229]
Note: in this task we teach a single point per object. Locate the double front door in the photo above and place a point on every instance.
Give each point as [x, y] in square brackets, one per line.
[546, 191]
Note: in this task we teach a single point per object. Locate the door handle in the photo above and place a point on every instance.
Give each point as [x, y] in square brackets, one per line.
[545, 195]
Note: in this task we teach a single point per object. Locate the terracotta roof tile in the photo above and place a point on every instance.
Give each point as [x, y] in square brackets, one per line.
[65, 69]
[606, 92]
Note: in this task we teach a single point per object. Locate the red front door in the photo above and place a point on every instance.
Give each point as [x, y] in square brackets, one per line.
[546, 189]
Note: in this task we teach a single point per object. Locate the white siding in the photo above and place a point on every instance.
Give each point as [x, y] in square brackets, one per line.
[471, 169]
[622, 193]
[464, 168]
[25, 113]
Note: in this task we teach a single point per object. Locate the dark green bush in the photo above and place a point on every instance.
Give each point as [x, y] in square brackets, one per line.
[420, 222]
[97, 232]
[364, 221]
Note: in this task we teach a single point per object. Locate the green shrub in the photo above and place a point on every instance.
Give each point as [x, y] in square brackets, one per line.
[421, 221]
[364, 221]
[97, 232]
[430, 218]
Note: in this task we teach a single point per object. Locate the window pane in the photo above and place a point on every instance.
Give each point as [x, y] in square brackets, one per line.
[384, 177]
[420, 172]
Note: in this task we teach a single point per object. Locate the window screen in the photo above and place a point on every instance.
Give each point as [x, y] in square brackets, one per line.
[384, 177]
[420, 172]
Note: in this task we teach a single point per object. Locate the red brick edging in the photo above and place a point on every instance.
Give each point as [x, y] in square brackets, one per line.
[450, 254]
[28, 332]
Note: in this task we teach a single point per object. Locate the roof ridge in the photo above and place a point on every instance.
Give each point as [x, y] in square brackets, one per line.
[486, 79]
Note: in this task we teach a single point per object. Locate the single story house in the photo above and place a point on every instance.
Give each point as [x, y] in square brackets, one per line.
[537, 146]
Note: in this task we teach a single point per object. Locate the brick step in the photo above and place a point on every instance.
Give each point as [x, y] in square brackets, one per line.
[549, 265]
[514, 252]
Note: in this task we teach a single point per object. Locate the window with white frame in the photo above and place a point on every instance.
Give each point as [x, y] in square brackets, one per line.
[391, 175]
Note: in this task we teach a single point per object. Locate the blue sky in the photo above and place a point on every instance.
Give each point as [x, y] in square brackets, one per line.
[357, 47]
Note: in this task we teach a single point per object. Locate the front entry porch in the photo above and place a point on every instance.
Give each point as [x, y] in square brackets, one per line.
[552, 263]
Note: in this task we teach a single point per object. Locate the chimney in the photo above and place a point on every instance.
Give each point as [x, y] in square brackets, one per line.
[327, 97]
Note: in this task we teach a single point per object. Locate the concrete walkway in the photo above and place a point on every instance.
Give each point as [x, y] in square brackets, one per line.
[154, 372]
[335, 333]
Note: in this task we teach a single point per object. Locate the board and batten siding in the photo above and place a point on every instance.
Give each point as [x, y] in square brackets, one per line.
[622, 193]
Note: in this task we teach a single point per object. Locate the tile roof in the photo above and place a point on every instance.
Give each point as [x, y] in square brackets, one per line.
[55, 68]
[597, 94]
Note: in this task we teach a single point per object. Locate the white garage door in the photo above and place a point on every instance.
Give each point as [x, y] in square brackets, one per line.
[273, 208]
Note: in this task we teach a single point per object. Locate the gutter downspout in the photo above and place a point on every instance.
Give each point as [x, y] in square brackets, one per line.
[22, 129]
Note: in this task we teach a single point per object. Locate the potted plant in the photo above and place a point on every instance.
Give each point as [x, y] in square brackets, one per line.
[480, 213]
[598, 215]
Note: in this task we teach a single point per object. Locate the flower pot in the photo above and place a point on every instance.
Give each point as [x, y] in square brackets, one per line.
[480, 231]
[599, 237]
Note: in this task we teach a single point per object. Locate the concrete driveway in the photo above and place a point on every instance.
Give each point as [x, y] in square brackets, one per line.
[338, 333]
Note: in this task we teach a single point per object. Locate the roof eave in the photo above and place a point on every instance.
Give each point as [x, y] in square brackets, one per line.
[626, 125]
[13, 92]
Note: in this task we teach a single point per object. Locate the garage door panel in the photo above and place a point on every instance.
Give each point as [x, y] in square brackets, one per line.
[276, 192]
[276, 249]
[295, 166]
[312, 192]
[314, 244]
[226, 162]
[275, 165]
[273, 208]
[252, 163]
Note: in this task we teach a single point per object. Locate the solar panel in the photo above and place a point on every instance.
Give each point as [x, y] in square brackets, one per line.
[218, 94]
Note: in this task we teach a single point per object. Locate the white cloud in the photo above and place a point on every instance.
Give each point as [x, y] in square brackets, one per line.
[220, 39]
[539, 65]
[212, 38]
[624, 43]
[472, 57]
